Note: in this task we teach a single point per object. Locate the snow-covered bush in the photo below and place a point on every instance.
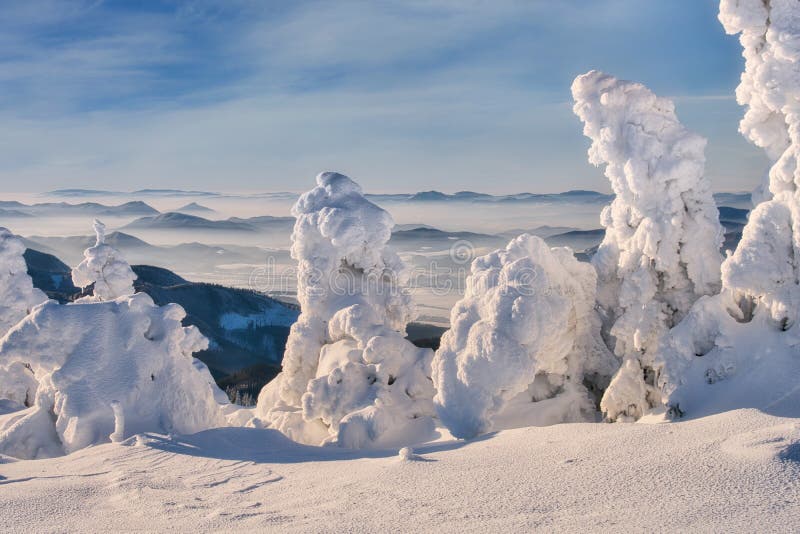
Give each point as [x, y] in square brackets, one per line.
[742, 347]
[88, 356]
[104, 266]
[522, 341]
[349, 375]
[17, 298]
[661, 248]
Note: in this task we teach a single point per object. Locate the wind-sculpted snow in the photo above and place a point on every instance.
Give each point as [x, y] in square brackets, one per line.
[523, 339]
[104, 267]
[349, 375]
[740, 348]
[661, 248]
[95, 359]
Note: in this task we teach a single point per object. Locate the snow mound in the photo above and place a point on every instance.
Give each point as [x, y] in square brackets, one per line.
[523, 339]
[349, 375]
[741, 348]
[661, 247]
[104, 266]
[123, 366]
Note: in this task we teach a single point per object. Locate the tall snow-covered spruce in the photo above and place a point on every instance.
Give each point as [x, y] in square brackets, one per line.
[349, 376]
[106, 367]
[17, 298]
[523, 340]
[742, 348]
[661, 248]
[104, 266]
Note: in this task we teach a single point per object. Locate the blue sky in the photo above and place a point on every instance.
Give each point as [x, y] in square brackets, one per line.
[260, 95]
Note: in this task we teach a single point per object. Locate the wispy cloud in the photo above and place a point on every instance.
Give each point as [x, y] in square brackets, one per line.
[254, 94]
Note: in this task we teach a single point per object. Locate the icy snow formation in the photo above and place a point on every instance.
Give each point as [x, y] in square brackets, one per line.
[17, 298]
[93, 359]
[349, 375]
[740, 348]
[104, 267]
[661, 247]
[522, 340]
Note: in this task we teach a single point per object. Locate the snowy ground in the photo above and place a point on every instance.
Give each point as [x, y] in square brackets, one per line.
[737, 471]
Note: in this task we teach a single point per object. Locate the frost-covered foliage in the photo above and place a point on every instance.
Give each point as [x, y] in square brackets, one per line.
[349, 375]
[17, 294]
[104, 266]
[93, 360]
[17, 298]
[740, 348]
[522, 340]
[661, 247]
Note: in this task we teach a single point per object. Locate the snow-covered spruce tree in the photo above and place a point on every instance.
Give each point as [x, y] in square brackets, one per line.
[104, 266]
[523, 340]
[746, 341]
[661, 247]
[349, 376]
[17, 298]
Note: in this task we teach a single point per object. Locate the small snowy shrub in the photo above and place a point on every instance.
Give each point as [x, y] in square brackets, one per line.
[661, 248]
[349, 376]
[522, 341]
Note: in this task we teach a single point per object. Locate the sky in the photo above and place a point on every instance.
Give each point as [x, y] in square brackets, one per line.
[240, 95]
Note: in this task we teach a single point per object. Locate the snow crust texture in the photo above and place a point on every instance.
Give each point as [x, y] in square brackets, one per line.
[349, 375]
[104, 266]
[661, 247]
[523, 339]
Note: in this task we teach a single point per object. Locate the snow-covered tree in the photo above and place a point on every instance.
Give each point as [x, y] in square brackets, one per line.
[522, 341]
[17, 294]
[745, 340]
[349, 375]
[17, 298]
[104, 266]
[123, 366]
[661, 247]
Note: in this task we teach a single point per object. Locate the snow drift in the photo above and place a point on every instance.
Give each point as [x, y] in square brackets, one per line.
[349, 376]
[661, 247]
[522, 341]
[100, 367]
[740, 348]
[104, 266]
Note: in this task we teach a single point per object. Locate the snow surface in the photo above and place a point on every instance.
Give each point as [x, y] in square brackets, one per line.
[661, 247]
[733, 472]
[523, 339]
[348, 374]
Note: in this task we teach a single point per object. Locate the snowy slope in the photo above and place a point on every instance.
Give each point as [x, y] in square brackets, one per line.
[738, 471]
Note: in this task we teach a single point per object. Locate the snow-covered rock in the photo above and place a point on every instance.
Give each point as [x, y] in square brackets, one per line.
[104, 266]
[92, 356]
[741, 348]
[349, 376]
[661, 248]
[522, 340]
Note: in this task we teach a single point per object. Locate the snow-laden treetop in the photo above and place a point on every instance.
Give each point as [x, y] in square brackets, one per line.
[104, 266]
